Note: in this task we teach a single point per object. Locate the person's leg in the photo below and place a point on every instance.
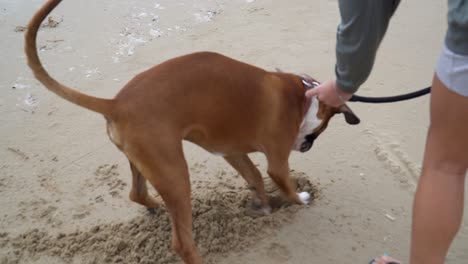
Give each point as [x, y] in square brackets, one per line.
[438, 203]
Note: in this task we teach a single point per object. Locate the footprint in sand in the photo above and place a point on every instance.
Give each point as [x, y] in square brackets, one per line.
[389, 152]
[278, 252]
[108, 175]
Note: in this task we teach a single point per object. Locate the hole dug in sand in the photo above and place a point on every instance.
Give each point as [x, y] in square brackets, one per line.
[221, 225]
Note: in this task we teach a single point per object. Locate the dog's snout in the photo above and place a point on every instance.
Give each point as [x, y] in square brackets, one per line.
[305, 146]
[309, 141]
[310, 138]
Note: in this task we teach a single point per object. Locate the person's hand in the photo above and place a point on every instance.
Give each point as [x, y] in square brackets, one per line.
[329, 94]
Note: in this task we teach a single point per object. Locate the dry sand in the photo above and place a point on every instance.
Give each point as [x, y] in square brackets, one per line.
[64, 187]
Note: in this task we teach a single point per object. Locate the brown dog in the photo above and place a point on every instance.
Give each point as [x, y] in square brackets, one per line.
[225, 106]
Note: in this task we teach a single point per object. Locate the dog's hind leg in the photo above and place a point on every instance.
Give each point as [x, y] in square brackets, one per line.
[164, 165]
[139, 191]
[252, 176]
[178, 202]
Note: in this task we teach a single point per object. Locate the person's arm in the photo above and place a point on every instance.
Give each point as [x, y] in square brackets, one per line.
[363, 25]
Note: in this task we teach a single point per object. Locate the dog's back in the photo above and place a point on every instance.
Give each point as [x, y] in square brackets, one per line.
[208, 95]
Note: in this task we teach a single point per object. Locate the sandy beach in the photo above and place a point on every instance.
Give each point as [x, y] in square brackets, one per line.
[64, 186]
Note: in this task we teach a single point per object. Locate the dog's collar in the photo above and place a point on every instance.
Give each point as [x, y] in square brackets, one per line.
[309, 83]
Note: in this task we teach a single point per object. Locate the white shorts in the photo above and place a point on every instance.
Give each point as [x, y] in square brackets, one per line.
[452, 70]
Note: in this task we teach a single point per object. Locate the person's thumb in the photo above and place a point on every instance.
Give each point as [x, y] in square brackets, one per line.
[313, 92]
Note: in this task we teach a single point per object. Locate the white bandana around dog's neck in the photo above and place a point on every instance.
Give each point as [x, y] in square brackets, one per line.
[309, 123]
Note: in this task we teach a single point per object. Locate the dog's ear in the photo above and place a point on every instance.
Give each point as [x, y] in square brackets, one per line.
[350, 117]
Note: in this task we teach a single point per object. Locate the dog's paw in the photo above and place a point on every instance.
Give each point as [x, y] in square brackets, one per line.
[258, 212]
[151, 211]
[266, 210]
[304, 197]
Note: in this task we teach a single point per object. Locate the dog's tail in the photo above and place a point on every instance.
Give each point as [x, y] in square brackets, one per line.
[103, 106]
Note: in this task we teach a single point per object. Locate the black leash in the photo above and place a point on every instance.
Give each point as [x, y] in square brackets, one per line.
[390, 99]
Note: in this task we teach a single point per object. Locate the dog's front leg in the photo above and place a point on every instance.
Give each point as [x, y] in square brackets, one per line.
[253, 177]
[278, 169]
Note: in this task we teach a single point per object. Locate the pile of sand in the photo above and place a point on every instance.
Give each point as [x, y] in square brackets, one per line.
[222, 223]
